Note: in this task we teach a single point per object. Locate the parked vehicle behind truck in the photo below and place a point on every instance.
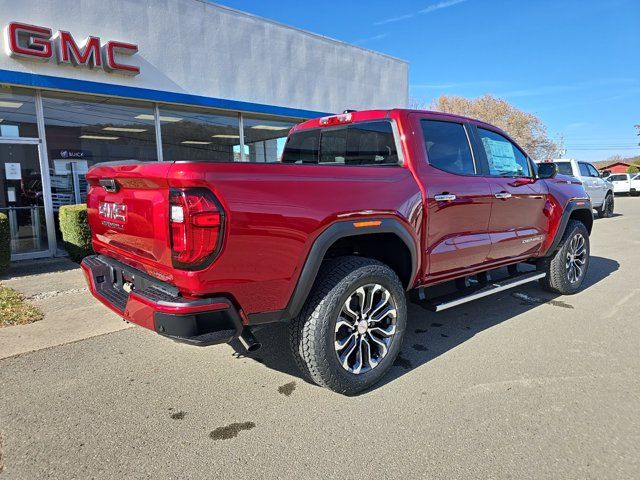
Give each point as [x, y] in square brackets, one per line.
[363, 207]
[627, 183]
[599, 189]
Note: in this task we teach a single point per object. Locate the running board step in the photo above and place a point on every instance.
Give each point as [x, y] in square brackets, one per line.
[447, 301]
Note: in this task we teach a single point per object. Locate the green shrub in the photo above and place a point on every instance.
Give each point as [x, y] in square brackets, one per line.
[76, 235]
[5, 243]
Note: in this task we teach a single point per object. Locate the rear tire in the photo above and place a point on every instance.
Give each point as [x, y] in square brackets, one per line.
[606, 210]
[567, 269]
[327, 337]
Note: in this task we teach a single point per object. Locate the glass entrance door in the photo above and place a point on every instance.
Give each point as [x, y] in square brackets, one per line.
[22, 198]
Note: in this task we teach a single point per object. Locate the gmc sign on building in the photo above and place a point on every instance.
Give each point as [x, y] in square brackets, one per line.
[92, 81]
[42, 44]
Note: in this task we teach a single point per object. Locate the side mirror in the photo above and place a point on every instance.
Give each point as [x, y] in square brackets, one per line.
[547, 170]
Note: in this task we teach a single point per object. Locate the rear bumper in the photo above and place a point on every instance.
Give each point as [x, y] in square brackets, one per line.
[158, 306]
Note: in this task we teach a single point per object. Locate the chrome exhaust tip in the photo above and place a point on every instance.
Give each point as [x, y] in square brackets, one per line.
[248, 340]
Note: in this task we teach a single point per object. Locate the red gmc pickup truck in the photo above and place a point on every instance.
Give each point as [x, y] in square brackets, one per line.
[362, 207]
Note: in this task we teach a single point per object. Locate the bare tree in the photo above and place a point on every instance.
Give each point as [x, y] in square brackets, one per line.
[417, 104]
[526, 129]
[616, 158]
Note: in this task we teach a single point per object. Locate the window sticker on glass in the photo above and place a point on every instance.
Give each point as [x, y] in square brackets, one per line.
[502, 159]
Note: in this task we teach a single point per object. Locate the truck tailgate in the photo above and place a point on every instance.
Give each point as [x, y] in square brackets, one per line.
[128, 213]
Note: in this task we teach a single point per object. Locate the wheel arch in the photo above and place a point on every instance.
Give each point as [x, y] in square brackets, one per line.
[584, 216]
[389, 241]
[575, 210]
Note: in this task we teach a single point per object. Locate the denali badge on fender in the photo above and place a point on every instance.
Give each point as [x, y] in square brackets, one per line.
[113, 211]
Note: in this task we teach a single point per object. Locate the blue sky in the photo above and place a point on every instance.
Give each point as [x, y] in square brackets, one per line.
[575, 64]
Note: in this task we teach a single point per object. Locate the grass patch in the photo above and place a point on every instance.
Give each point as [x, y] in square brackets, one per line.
[14, 310]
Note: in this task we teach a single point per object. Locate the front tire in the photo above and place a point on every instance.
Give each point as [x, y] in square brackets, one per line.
[350, 330]
[567, 269]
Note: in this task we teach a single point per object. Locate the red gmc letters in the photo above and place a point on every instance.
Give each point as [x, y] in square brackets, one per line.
[42, 44]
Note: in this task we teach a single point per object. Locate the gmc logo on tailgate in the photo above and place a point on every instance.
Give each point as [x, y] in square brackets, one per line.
[113, 211]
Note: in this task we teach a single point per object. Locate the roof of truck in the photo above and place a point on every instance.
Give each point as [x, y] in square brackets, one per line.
[365, 115]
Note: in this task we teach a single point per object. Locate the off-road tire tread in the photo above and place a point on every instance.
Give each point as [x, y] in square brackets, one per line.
[556, 280]
[334, 279]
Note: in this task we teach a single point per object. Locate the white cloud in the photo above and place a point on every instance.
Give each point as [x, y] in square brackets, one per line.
[370, 39]
[446, 86]
[431, 8]
[567, 87]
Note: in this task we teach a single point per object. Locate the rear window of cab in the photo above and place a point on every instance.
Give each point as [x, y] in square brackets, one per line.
[564, 168]
[357, 144]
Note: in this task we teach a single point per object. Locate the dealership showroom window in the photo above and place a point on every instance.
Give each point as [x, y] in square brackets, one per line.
[82, 130]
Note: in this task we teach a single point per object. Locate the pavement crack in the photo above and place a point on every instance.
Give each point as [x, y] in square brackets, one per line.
[529, 300]
[57, 293]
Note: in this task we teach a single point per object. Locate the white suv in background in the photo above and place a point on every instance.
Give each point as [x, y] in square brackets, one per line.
[600, 190]
[625, 183]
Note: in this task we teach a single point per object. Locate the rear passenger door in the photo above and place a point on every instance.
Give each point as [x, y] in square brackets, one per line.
[518, 224]
[458, 200]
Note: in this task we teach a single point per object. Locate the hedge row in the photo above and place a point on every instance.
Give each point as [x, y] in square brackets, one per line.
[5, 243]
[76, 235]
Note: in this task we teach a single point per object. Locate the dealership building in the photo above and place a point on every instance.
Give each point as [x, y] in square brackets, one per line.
[106, 80]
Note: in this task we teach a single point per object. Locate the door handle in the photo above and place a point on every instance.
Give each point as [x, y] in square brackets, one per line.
[445, 197]
[503, 195]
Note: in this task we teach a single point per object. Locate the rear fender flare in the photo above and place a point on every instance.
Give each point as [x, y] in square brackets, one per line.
[334, 233]
[321, 245]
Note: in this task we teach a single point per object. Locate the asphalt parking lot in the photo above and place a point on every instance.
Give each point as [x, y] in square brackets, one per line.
[518, 385]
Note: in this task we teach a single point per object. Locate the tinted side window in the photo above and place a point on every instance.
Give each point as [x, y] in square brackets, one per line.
[584, 170]
[302, 147]
[617, 178]
[447, 147]
[505, 159]
[564, 168]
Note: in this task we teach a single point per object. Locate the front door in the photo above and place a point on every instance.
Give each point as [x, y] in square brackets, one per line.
[458, 201]
[595, 186]
[22, 199]
[518, 225]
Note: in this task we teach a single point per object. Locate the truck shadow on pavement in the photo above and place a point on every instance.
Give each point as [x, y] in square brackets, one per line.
[430, 335]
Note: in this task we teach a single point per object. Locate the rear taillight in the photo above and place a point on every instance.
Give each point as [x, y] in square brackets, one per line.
[196, 221]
